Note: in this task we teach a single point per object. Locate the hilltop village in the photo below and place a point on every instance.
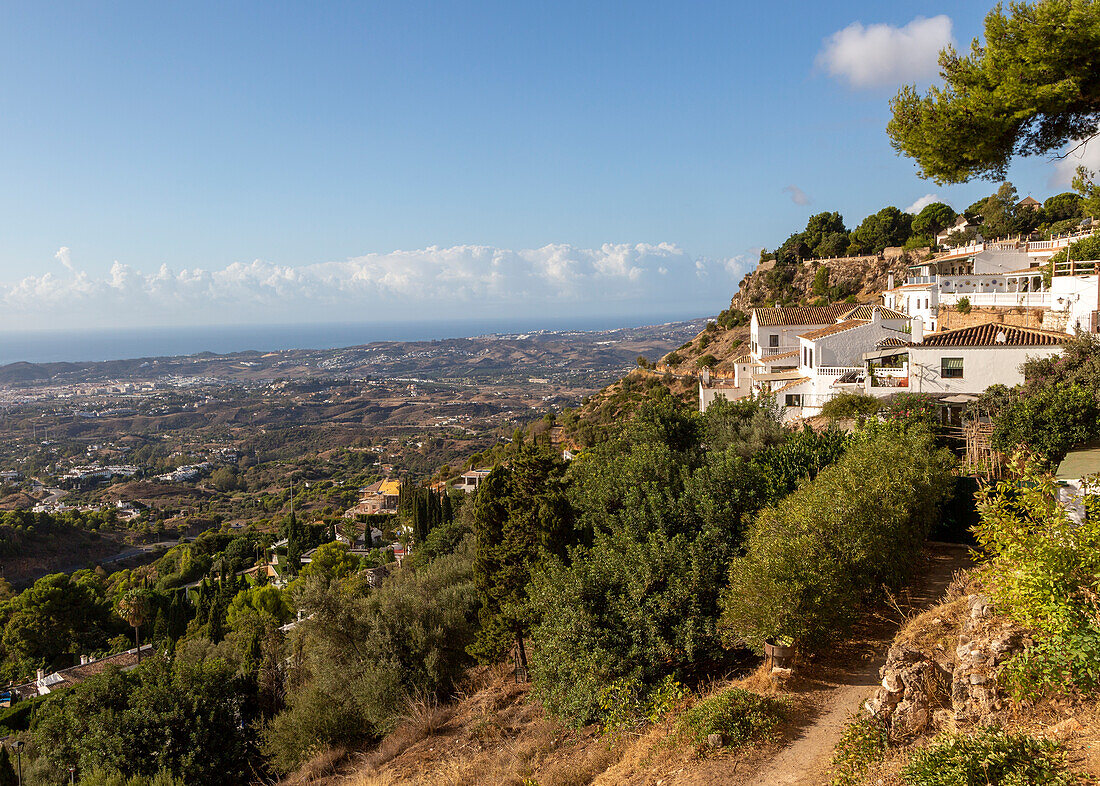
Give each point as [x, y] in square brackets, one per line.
[959, 322]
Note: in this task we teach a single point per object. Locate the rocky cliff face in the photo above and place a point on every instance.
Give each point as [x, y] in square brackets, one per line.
[859, 277]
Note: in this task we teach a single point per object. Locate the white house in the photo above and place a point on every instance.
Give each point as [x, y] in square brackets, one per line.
[831, 359]
[775, 330]
[799, 371]
[963, 361]
[997, 274]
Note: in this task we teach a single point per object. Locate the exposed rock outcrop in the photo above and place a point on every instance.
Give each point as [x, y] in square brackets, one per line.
[924, 689]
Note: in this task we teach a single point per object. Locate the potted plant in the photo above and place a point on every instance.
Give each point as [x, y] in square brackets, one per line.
[780, 649]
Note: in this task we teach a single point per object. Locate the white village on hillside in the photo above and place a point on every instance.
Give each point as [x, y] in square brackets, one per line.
[962, 321]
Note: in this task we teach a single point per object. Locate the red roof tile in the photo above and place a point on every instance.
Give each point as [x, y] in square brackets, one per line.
[801, 315]
[986, 335]
[839, 327]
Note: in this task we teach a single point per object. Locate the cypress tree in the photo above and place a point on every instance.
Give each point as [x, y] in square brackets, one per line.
[446, 511]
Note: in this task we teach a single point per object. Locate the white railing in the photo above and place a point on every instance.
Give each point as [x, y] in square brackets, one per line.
[1031, 246]
[1001, 299]
[835, 371]
[767, 352]
[921, 280]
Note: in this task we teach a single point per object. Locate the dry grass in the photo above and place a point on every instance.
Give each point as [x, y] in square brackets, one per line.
[318, 768]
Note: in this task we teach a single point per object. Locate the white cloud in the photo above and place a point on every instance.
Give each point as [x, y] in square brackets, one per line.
[798, 196]
[922, 203]
[1087, 156]
[434, 282]
[881, 55]
[64, 256]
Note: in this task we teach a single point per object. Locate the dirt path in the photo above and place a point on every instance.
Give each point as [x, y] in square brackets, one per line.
[849, 678]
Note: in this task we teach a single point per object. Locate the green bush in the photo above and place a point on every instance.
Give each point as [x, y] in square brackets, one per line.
[707, 361]
[1043, 569]
[862, 744]
[738, 715]
[1084, 250]
[989, 757]
[368, 651]
[673, 359]
[963, 305]
[850, 405]
[1050, 419]
[822, 553]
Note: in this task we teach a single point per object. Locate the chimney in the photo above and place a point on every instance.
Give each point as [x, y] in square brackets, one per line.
[890, 281]
[876, 316]
[84, 660]
[706, 376]
[41, 674]
[916, 326]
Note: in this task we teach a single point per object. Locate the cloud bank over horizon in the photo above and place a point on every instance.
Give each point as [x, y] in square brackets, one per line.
[882, 55]
[558, 280]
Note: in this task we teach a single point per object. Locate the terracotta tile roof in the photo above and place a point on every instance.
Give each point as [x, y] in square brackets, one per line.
[891, 341]
[790, 385]
[839, 327]
[781, 356]
[777, 376]
[986, 335]
[864, 312]
[800, 315]
[948, 258]
[1033, 270]
[740, 359]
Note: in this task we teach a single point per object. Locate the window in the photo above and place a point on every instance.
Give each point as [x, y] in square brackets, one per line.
[792, 400]
[811, 363]
[773, 340]
[951, 368]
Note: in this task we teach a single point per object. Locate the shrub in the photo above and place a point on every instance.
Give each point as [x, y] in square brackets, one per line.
[989, 757]
[862, 744]
[736, 714]
[673, 359]
[707, 361]
[704, 341]
[733, 317]
[1044, 570]
[911, 409]
[824, 551]
[1084, 250]
[850, 405]
[1051, 420]
[368, 651]
[963, 305]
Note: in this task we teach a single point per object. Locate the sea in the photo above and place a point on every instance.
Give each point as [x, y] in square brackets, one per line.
[50, 346]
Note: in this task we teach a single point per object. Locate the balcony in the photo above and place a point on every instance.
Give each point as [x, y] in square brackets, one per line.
[998, 299]
[835, 371]
[883, 377]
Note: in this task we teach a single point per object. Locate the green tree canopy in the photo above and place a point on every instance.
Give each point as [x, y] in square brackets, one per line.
[887, 227]
[933, 219]
[331, 560]
[1032, 87]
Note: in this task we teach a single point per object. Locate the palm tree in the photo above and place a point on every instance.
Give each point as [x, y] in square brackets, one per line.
[135, 607]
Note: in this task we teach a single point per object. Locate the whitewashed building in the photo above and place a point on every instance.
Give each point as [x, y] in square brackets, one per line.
[964, 361]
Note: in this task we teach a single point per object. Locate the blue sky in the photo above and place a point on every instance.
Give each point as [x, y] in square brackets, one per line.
[236, 162]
